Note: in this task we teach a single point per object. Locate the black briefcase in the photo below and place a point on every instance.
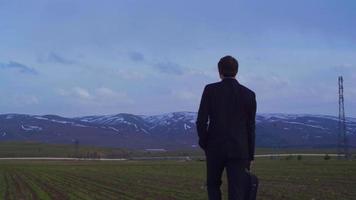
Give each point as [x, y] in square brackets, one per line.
[252, 187]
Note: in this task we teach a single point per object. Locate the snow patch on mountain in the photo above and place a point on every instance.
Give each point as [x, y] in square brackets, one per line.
[80, 125]
[114, 129]
[9, 117]
[277, 116]
[60, 121]
[169, 118]
[31, 128]
[304, 124]
[41, 118]
[144, 130]
[186, 127]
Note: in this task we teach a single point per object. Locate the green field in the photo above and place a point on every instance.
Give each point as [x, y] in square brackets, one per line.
[36, 149]
[309, 178]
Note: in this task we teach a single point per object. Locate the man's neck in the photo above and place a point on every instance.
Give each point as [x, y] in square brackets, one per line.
[229, 77]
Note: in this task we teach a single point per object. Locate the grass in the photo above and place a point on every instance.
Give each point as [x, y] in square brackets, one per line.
[308, 178]
[36, 149]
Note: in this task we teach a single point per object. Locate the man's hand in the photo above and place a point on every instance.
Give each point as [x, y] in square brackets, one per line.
[202, 144]
[251, 165]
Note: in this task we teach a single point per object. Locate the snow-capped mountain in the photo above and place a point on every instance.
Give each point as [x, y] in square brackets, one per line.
[171, 130]
[166, 123]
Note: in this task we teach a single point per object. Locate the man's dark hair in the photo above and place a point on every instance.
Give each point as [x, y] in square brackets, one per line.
[228, 66]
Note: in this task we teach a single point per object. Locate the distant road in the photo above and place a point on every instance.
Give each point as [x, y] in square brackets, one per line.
[159, 158]
[58, 158]
[293, 154]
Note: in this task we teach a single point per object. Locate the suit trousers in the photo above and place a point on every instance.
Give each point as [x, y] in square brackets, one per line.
[237, 177]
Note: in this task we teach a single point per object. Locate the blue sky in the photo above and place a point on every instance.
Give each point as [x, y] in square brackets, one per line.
[76, 58]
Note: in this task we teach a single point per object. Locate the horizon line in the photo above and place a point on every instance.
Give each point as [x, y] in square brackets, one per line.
[166, 113]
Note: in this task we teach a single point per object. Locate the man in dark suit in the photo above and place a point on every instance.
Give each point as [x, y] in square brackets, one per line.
[226, 130]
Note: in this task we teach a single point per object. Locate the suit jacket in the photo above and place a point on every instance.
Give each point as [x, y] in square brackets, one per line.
[226, 119]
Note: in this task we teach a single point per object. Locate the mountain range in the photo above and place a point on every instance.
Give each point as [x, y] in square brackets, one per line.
[174, 130]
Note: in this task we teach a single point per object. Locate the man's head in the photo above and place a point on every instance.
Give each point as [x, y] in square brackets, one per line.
[228, 67]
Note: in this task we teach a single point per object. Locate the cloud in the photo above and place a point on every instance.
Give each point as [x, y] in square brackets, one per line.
[53, 57]
[185, 95]
[98, 96]
[18, 66]
[210, 73]
[82, 93]
[169, 68]
[108, 94]
[166, 67]
[136, 56]
[25, 99]
[130, 74]
[77, 92]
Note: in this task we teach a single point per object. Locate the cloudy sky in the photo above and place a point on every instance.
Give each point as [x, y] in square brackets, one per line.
[74, 58]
